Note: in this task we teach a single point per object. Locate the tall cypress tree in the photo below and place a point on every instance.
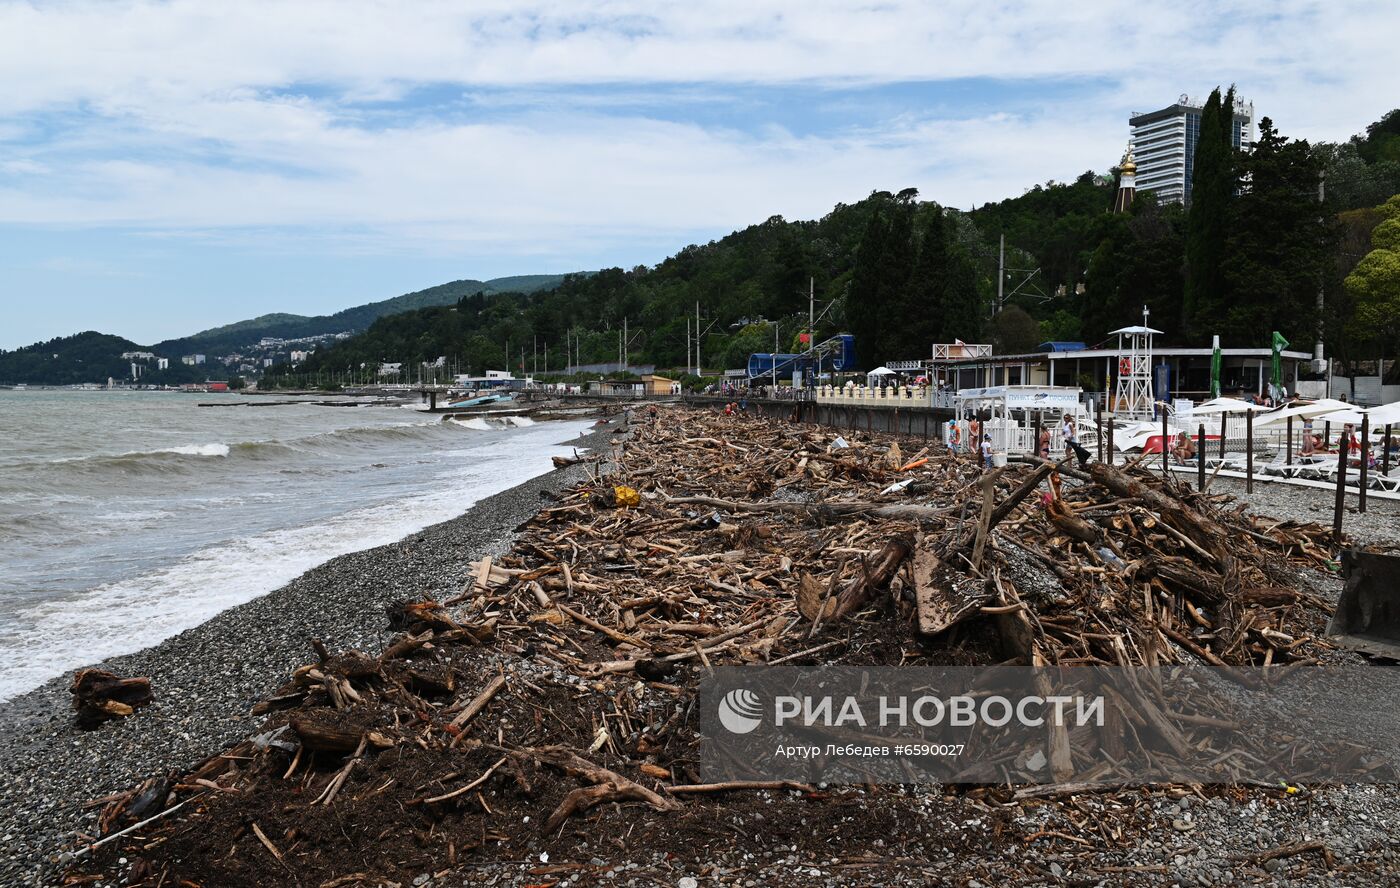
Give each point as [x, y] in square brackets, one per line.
[896, 271]
[961, 309]
[864, 294]
[1279, 244]
[1207, 223]
[924, 309]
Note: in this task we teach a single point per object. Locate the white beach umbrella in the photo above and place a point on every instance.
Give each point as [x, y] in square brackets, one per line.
[1226, 405]
[1385, 414]
[1304, 411]
[1341, 417]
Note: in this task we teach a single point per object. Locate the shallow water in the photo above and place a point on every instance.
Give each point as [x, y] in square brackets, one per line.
[127, 517]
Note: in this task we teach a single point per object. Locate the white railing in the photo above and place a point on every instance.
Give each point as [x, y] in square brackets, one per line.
[877, 396]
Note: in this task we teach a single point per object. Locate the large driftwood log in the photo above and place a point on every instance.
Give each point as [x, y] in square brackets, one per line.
[1201, 530]
[99, 696]
[874, 576]
[415, 616]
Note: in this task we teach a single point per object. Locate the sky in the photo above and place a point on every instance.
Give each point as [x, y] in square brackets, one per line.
[170, 166]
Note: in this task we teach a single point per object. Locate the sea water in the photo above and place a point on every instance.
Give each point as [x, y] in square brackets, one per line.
[127, 517]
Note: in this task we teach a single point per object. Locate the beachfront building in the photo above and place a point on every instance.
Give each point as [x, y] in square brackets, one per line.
[494, 379]
[1164, 145]
[649, 385]
[1176, 373]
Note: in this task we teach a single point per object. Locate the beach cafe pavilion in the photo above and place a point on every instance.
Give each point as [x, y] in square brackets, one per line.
[1177, 372]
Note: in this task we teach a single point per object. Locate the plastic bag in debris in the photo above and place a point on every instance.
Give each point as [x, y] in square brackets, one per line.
[1107, 555]
[263, 741]
[626, 497]
[898, 486]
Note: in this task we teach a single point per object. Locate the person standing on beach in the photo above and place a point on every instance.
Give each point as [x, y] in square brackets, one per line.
[986, 451]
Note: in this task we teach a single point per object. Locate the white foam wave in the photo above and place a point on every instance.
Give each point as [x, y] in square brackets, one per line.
[192, 450]
[520, 421]
[55, 636]
[475, 422]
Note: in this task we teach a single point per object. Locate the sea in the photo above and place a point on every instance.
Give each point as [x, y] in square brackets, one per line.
[127, 517]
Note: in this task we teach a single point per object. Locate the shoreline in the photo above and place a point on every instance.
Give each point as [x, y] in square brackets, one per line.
[207, 678]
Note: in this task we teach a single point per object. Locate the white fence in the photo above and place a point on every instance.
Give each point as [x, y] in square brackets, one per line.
[880, 396]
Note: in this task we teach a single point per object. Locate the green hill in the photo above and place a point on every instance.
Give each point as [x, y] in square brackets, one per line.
[231, 337]
[84, 357]
[93, 357]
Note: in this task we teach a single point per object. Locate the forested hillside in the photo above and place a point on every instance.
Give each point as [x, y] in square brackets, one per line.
[85, 357]
[289, 326]
[1245, 259]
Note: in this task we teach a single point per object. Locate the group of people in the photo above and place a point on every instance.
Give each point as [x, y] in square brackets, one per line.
[1348, 442]
[981, 442]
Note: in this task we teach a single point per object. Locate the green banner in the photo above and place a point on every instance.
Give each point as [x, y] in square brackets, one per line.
[1215, 368]
[1279, 345]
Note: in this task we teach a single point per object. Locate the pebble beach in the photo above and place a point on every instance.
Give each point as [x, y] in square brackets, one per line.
[207, 678]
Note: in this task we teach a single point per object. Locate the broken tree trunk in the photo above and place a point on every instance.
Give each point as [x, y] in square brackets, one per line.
[874, 576]
[99, 695]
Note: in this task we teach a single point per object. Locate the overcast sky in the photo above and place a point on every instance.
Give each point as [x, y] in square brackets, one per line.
[166, 167]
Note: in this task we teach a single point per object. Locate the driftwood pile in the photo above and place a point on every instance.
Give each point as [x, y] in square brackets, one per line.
[562, 675]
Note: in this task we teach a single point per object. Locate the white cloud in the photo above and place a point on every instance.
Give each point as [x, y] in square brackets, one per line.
[187, 123]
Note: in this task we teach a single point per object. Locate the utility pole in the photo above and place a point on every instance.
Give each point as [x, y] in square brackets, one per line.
[697, 337]
[625, 344]
[1001, 271]
[1319, 362]
[811, 311]
[775, 356]
[687, 341]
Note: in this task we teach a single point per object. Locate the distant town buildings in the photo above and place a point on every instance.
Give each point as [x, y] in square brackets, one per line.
[138, 356]
[298, 356]
[162, 363]
[192, 360]
[1164, 145]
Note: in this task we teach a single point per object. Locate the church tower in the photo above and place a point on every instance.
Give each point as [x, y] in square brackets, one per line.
[1127, 183]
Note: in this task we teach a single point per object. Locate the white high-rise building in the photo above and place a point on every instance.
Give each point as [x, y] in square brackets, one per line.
[1164, 145]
